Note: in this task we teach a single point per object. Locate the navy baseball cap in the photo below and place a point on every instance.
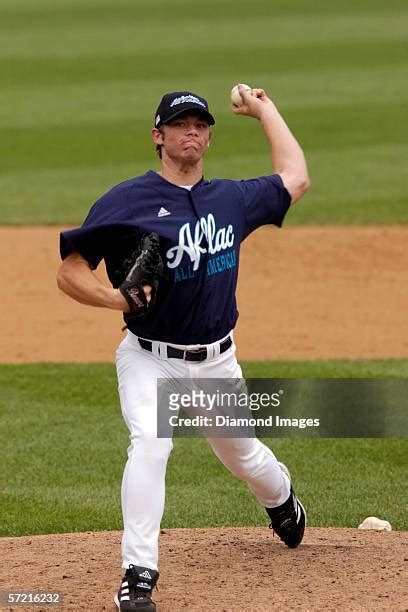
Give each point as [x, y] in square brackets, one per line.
[177, 102]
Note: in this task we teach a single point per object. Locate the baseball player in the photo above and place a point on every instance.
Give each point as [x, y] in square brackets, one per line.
[188, 333]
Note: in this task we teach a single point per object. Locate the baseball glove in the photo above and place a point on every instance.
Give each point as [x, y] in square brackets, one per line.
[144, 266]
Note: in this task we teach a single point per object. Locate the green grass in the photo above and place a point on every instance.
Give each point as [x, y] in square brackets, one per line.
[64, 448]
[82, 80]
[341, 368]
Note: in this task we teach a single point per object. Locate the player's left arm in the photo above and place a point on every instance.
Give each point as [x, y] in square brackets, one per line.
[76, 278]
[287, 156]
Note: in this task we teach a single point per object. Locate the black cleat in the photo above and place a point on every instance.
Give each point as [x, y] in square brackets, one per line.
[288, 521]
[135, 593]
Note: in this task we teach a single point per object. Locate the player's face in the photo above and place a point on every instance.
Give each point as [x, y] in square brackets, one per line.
[186, 138]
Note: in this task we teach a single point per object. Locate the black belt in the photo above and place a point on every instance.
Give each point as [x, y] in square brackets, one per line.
[194, 355]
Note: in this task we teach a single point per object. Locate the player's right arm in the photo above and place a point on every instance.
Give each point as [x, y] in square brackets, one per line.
[287, 156]
[76, 278]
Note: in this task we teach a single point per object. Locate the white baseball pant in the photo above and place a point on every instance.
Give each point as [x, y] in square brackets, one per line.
[143, 485]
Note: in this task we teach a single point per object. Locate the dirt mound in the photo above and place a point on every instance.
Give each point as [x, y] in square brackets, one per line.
[304, 293]
[223, 570]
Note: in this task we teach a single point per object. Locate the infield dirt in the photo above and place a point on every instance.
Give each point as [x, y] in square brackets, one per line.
[304, 293]
[222, 570]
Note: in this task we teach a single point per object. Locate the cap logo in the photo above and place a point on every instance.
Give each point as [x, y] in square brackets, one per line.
[184, 99]
[157, 119]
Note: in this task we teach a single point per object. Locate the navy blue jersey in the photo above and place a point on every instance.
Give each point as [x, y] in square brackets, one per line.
[200, 235]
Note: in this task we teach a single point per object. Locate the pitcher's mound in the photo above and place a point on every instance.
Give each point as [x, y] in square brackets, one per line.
[222, 570]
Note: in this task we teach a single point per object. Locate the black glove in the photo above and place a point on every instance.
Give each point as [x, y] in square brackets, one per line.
[143, 267]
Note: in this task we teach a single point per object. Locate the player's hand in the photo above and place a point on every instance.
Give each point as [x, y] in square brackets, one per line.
[148, 292]
[121, 303]
[255, 103]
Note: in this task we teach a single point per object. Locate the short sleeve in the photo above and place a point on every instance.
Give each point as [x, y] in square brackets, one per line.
[266, 201]
[108, 221]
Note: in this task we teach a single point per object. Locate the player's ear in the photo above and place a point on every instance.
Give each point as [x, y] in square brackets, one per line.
[157, 136]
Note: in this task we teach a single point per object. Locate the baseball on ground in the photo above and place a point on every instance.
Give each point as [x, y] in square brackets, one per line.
[235, 96]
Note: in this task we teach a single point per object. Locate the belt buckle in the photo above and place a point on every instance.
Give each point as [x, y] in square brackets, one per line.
[195, 351]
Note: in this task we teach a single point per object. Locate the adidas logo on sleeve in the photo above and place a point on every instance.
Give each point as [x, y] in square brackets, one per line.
[163, 212]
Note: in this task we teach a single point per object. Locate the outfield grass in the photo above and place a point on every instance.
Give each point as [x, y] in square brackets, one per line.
[83, 80]
[64, 447]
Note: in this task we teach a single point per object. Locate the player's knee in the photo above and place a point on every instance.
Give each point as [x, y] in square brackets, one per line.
[150, 447]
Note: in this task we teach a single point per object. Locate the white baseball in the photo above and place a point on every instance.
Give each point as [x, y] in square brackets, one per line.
[235, 95]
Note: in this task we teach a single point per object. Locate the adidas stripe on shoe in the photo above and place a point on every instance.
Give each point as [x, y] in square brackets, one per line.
[288, 521]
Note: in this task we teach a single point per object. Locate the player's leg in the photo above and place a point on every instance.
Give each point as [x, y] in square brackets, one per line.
[269, 481]
[247, 458]
[143, 485]
[252, 461]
